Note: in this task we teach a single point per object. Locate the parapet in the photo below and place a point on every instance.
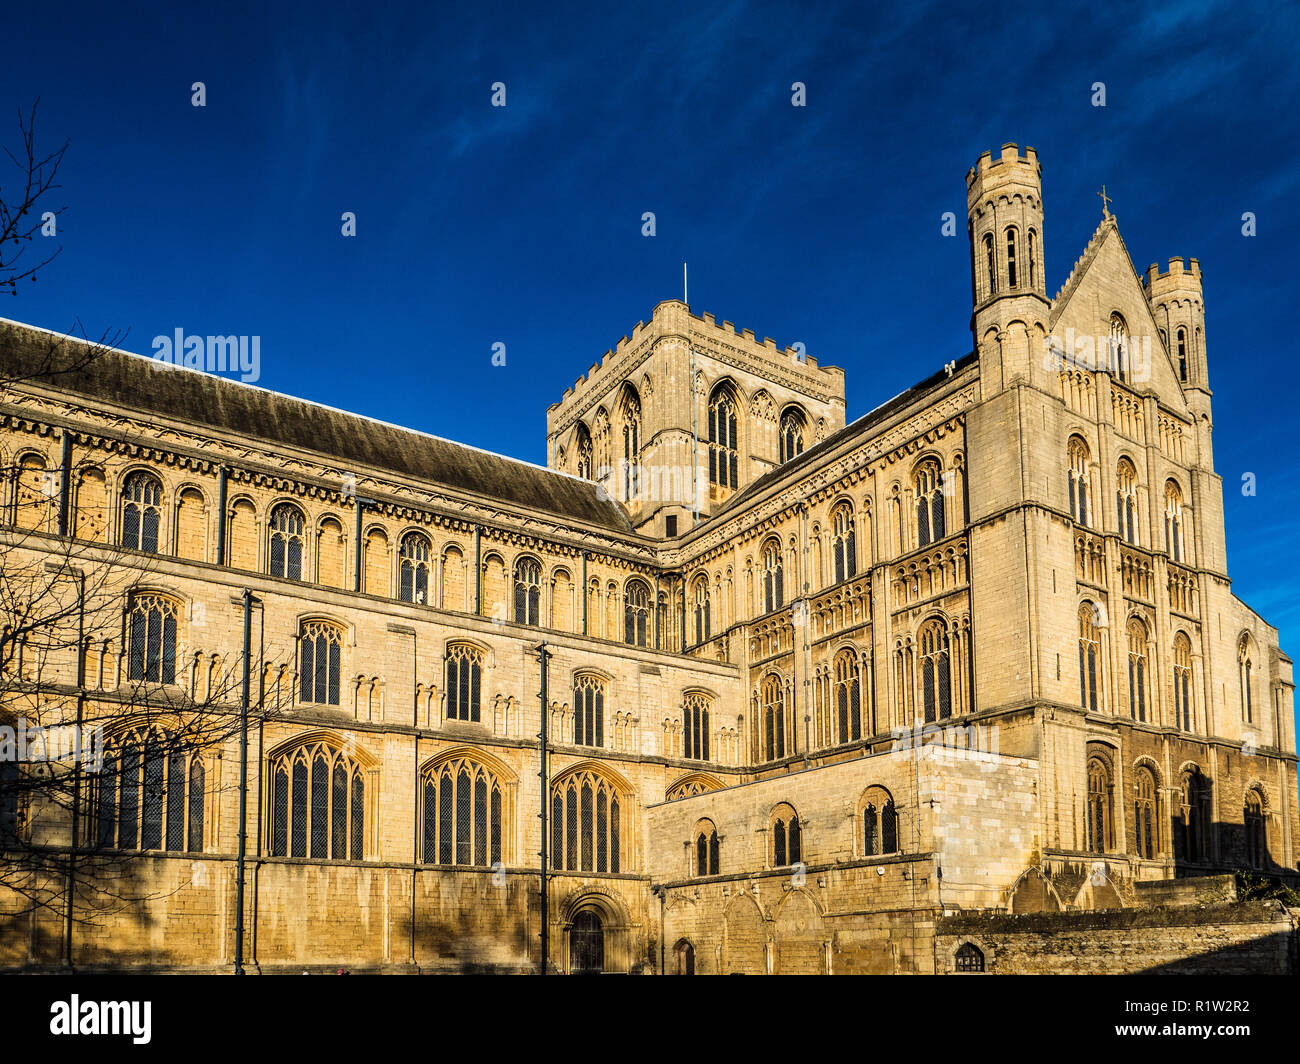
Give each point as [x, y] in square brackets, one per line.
[1181, 277]
[1012, 167]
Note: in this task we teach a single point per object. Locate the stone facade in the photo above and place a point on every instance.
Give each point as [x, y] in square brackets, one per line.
[811, 689]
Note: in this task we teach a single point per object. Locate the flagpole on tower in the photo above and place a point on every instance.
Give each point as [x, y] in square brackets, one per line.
[685, 290]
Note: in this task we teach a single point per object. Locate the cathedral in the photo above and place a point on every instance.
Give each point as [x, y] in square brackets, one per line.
[732, 685]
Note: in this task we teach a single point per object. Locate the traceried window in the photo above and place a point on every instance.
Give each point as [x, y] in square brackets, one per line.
[1183, 717]
[1137, 670]
[1145, 821]
[413, 563]
[286, 530]
[528, 591]
[631, 411]
[321, 651]
[1182, 354]
[149, 793]
[794, 428]
[1011, 256]
[1078, 477]
[936, 671]
[1246, 675]
[844, 553]
[695, 721]
[773, 588]
[702, 620]
[1174, 520]
[464, 682]
[706, 849]
[141, 511]
[636, 614]
[772, 707]
[724, 449]
[879, 824]
[990, 264]
[1256, 843]
[1126, 500]
[1089, 657]
[1119, 347]
[928, 484]
[787, 837]
[464, 813]
[582, 449]
[968, 958]
[1099, 807]
[586, 824]
[848, 698]
[589, 710]
[152, 638]
[318, 804]
[1190, 822]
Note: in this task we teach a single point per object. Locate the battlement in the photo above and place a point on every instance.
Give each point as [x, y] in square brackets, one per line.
[666, 318]
[1012, 167]
[1180, 276]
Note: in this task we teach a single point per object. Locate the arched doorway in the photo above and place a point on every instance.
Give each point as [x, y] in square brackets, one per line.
[685, 958]
[587, 944]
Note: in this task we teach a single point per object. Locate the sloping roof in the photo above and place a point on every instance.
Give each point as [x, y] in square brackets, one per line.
[866, 423]
[147, 387]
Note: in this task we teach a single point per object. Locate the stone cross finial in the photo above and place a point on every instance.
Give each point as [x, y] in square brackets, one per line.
[1106, 201]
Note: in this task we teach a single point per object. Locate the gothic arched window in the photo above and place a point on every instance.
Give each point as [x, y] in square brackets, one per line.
[968, 958]
[1137, 669]
[936, 671]
[464, 813]
[141, 511]
[1189, 826]
[1183, 682]
[1256, 839]
[848, 698]
[528, 591]
[636, 614]
[1099, 809]
[1119, 347]
[148, 794]
[990, 264]
[152, 639]
[724, 448]
[706, 848]
[702, 625]
[464, 681]
[318, 804]
[1145, 821]
[773, 709]
[1182, 354]
[582, 451]
[1033, 256]
[1089, 657]
[1011, 256]
[1246, 669]
[843, 543]
[787, 837]
[695, 721]
[321, 653]
[773, 590]
[286, 532]
[928, 484]
[631, 415]
[879, 824]
[1174, 520]
[1078, 478]
[413, 555]
[586, 823]
[589, 710]
[1126, 500]
[794, 427]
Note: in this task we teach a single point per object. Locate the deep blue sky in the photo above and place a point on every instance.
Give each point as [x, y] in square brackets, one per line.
[523, 225]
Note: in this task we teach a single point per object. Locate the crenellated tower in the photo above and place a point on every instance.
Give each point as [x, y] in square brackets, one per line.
[1004, 205]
